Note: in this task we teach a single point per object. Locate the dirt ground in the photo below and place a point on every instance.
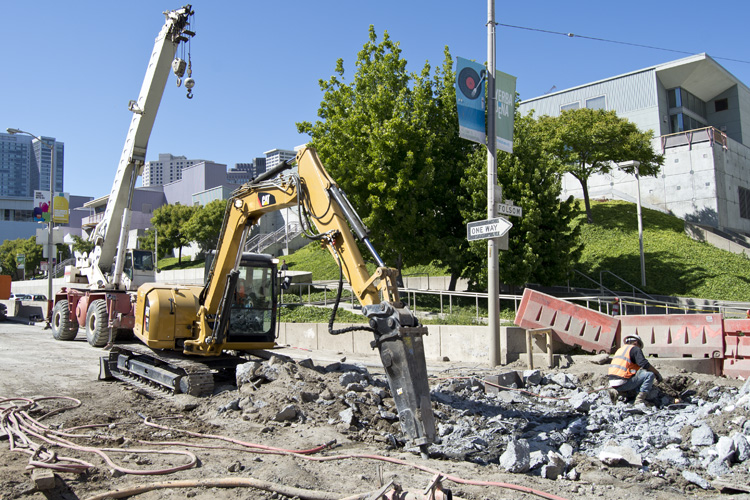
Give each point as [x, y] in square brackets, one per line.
[230, 429]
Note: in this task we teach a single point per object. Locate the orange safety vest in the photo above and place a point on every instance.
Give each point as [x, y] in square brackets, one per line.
[621, 366]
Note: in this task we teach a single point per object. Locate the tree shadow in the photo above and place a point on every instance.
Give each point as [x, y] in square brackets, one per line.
[666, 274]
[705, 216]
[624, 215]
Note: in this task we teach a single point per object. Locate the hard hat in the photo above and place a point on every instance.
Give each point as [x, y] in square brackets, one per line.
[633, 338]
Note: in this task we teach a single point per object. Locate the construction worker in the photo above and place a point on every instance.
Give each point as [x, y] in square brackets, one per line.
[631, 371]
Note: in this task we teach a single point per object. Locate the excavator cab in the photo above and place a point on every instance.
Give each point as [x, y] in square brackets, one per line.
[253, 302]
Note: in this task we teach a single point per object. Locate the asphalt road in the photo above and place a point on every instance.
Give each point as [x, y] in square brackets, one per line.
[32, 363]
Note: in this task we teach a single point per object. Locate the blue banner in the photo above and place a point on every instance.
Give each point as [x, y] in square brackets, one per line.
[470, 79]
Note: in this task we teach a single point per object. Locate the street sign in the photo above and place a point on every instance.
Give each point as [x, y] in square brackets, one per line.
[486, 229]
[20, 261]
[508, 209]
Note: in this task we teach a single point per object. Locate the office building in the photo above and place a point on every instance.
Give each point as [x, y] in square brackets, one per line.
[25, 165]
[243, 172]
[168, 168]
[700, 115]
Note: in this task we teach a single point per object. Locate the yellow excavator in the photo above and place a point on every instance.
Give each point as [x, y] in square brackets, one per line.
[187, 330]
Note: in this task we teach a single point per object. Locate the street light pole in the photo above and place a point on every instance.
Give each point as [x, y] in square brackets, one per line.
[636, 165]
[50, 252]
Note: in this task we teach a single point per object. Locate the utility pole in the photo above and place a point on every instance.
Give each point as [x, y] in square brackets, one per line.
[493, 244]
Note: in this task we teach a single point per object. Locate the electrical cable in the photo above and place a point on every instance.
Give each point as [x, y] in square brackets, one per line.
[597, 39]
[396, 461]
[21, 429]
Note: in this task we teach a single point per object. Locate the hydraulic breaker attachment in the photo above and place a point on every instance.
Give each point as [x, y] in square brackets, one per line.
[399, 341]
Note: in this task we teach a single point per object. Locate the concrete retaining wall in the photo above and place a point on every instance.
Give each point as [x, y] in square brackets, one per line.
[467, 344]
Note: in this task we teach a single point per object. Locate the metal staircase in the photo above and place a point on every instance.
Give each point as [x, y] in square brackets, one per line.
[260, 242]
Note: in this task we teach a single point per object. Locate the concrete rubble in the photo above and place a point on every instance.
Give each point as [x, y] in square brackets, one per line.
[554, 426]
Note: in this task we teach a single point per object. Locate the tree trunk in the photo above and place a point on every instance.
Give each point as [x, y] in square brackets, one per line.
[586, 201]
[454, 281]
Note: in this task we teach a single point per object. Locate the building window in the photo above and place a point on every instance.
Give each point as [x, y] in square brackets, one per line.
[744, 202]
[596, 103]
[721, 104]
[572, 105]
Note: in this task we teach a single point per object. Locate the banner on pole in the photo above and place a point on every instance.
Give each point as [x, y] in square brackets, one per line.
[505, 92]
[470, 78]
[61, 207]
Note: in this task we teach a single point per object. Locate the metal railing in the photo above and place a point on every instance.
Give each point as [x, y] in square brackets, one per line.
[260, 242]
[447, 302]
[632, 286]
[59, 270]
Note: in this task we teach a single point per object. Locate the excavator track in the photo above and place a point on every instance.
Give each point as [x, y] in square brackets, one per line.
[163, 373]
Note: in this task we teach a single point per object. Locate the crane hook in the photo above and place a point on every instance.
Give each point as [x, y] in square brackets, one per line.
[189, 84]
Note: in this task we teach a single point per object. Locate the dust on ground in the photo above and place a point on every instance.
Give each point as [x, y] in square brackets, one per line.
[303, 400]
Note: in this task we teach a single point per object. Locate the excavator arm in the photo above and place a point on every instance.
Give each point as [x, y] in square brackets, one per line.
[397, 332]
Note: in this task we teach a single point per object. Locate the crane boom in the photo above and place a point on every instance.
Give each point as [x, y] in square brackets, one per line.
[105, 263]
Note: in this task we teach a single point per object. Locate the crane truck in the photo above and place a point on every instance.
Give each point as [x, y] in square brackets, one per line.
[101, 293]
[182, 328]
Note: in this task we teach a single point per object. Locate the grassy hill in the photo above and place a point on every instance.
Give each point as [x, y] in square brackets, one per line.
[675, 264]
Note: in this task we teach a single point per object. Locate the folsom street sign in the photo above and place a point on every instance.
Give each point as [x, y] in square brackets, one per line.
[486, 229]
[508, 209]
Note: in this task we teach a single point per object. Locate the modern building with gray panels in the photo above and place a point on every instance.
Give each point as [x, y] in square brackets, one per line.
[700, 115]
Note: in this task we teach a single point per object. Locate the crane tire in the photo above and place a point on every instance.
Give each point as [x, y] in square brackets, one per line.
[97, 323]
[62, 327]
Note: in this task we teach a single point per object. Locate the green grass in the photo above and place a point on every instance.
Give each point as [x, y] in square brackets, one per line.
[171, 264]
[675, 264]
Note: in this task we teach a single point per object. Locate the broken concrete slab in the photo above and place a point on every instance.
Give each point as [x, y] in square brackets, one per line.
[516, 457]
[44, 479]
[508, 379]
[620, 455]
[694, 478]
[702, 436]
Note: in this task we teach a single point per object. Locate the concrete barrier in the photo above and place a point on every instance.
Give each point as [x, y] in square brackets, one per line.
[467, 344]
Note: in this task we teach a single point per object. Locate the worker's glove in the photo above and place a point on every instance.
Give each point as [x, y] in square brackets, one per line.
[659, 378]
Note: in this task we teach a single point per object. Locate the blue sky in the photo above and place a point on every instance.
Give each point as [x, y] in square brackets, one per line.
[70, 68]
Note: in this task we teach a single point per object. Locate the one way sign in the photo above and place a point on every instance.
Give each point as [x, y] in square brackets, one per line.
[486, 229]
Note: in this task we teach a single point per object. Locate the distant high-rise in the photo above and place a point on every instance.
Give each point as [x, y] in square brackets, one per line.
[243, 172]
[25, 165]
[167, 169]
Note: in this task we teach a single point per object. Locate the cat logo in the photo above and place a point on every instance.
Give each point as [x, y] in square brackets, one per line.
[266, 199]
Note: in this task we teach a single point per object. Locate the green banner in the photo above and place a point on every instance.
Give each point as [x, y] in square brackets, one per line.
[505, 92]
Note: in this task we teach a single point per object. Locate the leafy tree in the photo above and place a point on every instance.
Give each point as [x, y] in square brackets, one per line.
[205, 224]
[588, 142]
[27, 247]
[390, 140]
[448, 155]
[81, 245]
[170, 222]
[543, 244]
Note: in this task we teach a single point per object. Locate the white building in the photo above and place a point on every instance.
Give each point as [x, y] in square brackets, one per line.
[277, 156]
[700, 115]
[167, 169]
